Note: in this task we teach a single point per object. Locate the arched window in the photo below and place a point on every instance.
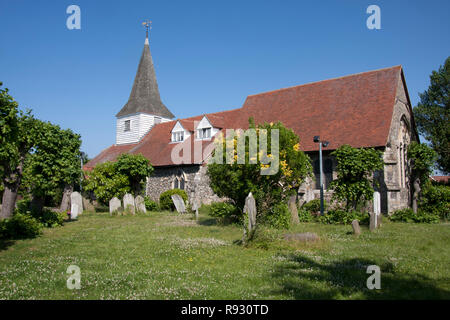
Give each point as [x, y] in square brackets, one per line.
[182, 183]
[179, 181]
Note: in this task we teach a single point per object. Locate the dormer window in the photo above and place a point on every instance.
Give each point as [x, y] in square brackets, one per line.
[178, 136]
[204, 133]
[127, 125]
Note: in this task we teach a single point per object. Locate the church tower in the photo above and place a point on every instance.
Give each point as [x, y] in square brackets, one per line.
[144, 108]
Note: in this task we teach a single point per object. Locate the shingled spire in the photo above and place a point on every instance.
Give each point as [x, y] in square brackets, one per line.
[144, 96]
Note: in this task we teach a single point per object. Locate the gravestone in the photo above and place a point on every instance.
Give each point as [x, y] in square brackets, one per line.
[356, 228]
[75, 198]
[293, 209]
[114, 205]
[74, 211]
[140, 204]
[303, 237]
[179, 203]
[128, 204]
[87, 205]
[250, 210]
[373, 221]
[195, 207]
[376, 203]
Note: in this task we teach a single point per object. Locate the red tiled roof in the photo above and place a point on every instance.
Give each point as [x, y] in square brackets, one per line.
[109, 154]
[355, 110]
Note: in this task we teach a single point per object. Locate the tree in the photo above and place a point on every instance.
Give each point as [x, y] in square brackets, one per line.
[432, 115]
[54, 165]
[355, 168]
[136, 167]
[235, 180]
[19, 134]
[422, 159]
[106, 182]
[115, 179]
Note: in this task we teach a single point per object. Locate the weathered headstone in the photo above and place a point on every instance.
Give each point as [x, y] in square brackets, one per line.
[376, 203]
[373, 221]
[140, 204]
[195, 207]
[250, 210]
[304, 237]
[75, 198]
[416, 193]
[114, 205]
[179, 203]
[87, 205]
[293, 209]
[74, 211]
[128, 204]
[356, 228]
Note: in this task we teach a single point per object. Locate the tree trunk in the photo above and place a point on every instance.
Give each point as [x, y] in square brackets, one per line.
[8, 201]
[11, 184]
[65, 202]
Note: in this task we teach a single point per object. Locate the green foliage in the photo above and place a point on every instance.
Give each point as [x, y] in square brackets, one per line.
[20, 226]
[339, 216]
[408, 215]
[114, 179]
[225, 212]
[354, 184]
[19, 132]
[305, 215]
[136, 168]
[435, 199]
[106, 182]
[46, 217]
[165, 200]
[235, 181]
[151, 205]
[54, 163]
[279, 216]
[204, 209]
[313, 206]
[432, 115]
[422, 160]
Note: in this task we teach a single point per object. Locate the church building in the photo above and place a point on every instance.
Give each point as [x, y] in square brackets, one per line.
[369, 109]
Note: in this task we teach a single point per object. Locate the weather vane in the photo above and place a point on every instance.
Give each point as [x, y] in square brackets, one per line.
[148, 26]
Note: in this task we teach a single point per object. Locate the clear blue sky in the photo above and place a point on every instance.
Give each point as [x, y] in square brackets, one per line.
[208, 55]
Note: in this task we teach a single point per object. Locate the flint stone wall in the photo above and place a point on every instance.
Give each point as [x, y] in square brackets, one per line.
[163, 179]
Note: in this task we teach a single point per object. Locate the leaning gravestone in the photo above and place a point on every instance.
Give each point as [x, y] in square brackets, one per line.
[75, 198]
[356, 228]
[140, 204]
[293, 209]
[74, 211]
[114, 205]
[179, 203]
[128, 204]
[250, 210]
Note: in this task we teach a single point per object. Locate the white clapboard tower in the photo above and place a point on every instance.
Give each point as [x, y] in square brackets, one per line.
[144, 108]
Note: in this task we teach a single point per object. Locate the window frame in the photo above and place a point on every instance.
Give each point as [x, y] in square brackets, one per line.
[127, 126]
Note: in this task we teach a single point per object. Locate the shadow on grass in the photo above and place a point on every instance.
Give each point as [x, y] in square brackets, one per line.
[5, 244]
[303, 278]
[207, 222]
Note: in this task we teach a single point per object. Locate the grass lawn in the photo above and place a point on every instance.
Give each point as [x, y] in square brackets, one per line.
[167, 256]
